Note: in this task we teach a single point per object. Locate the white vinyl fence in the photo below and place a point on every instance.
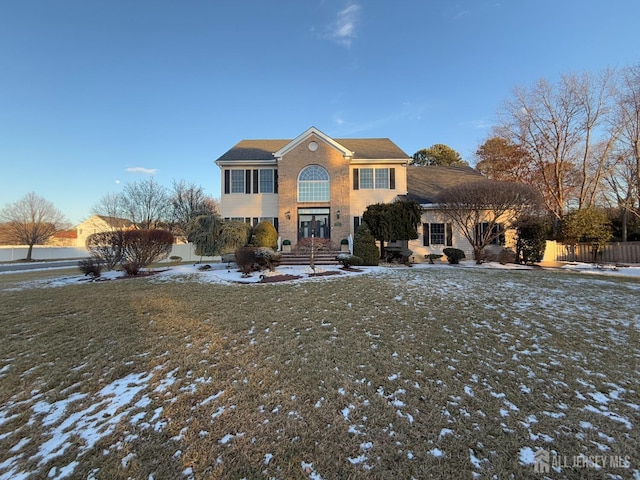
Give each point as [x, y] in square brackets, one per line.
[13, 253]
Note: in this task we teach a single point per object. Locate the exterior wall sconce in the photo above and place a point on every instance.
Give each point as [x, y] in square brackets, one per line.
[288, 214]
[338, 215]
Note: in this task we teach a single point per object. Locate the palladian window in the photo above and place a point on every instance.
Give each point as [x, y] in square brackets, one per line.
[313, 184]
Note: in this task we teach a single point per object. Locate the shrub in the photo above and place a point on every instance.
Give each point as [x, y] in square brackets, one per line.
[91, 267]
[267, 258]
[397, 254]
[286, 242]
[531, 242]
[143, 247]
[433, 256]
[107, 246]
[364, 246]
[507, 256]
[131, 268]
[344, 241]
[175, 259]
[265, 235]
[454, 255]
[246, 260]
[347, 260]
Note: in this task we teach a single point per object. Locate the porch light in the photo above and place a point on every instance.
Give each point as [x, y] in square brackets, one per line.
[338, 215]
[288, 214]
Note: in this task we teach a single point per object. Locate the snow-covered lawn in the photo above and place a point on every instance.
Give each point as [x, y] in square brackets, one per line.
[430, 371]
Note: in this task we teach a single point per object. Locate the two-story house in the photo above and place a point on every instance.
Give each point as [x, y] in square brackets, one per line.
[311, 185]
[318, 185]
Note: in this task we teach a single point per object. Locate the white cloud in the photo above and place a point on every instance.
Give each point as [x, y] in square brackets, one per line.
[343, 30]
[148, 171]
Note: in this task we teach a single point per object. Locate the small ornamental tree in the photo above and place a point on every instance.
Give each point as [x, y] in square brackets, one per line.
[364, 246]
[493, 204]
[107, 246]
[143, 247]
[265, 235]
[393, 221]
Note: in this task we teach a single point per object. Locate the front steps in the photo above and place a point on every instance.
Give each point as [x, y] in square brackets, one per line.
[303, 258]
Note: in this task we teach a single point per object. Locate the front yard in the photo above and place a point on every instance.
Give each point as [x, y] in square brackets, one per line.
[429, 372]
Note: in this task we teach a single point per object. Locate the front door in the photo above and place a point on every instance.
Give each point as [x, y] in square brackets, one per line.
[313, 222]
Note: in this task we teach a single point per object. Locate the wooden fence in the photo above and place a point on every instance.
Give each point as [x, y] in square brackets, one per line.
[613, 252]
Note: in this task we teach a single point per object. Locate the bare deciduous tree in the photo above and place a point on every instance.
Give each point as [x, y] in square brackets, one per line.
[31, 221]
[189, 201]
[110, 205]
[146, 204]
[492, 203]
[564, 130]
[626, 179]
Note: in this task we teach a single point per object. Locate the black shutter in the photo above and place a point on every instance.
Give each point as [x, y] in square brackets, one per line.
[425, 235]
[356, 223]
[449, 234]
[356, 179]
[392, 178]
[256, 181]
[247, 182]
[227, 181]
[275, 181]
[275, 223]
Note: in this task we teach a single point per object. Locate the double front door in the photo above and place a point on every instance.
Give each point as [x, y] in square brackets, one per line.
[313, 222]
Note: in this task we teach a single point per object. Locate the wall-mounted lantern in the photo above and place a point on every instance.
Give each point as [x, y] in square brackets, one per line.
[288, 214]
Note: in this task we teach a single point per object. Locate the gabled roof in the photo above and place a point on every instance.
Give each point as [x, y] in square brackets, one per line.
[265, 150]
[425, 182]
[313, 132]
[114, 222]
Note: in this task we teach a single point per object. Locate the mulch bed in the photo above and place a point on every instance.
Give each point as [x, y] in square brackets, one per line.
[278, 278]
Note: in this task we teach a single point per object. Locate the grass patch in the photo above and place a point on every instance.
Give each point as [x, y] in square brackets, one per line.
[434, 372]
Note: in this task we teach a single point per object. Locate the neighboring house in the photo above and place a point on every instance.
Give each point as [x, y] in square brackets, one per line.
[317, 185]
[100, 223]
[64, 238]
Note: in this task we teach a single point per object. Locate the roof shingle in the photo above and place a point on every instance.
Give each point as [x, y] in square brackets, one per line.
[425, 182]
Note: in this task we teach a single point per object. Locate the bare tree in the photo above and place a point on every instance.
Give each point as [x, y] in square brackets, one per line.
[189, 201]
[31, 221]
[146, 204]
[110, 206]
[482, 210]
[629, 119]
[563, 129]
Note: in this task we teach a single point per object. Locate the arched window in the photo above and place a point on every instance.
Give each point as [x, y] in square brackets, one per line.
[313, 184]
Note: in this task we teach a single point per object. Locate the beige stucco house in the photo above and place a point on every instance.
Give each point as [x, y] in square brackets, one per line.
[100, 223]
[317, 185]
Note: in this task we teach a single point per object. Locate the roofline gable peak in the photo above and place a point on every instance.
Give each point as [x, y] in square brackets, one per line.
[313, 131]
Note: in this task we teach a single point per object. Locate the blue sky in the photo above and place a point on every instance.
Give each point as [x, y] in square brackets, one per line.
[95, 94]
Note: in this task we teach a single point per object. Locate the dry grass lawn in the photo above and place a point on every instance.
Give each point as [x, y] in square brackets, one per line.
[413, 373]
